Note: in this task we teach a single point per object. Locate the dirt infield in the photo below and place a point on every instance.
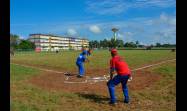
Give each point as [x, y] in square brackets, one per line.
[49, 80]
[54, 81]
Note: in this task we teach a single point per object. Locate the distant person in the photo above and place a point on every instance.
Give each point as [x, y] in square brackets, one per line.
[80, 63]
[172, 50]
[123, 74]
[89, 52]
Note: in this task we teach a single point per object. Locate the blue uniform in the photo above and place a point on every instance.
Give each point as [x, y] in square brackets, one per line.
[115, 81]
[86, 52]
[80, 60]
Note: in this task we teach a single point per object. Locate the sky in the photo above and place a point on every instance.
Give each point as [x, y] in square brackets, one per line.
[146, 21]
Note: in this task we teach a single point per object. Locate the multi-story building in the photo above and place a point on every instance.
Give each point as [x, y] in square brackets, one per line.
[48, 42]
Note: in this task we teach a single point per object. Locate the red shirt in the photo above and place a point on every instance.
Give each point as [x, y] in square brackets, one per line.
[119, 65]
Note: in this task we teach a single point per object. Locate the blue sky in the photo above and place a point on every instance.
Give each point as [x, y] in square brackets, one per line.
[148, 21]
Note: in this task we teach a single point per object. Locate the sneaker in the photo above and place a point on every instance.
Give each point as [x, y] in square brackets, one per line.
[112, 103]
[79, 76]
[67, 73]
[126, 101]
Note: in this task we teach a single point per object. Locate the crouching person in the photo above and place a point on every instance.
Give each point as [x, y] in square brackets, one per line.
[123, 74]
[81, 59]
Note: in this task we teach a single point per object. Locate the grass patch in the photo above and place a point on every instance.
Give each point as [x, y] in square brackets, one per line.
[161, 96]
[20, 73]
[24, 96]
[98, 61]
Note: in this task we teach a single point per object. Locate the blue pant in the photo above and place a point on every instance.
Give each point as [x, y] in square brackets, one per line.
[115, 81]
[88, 54]
[81, 68]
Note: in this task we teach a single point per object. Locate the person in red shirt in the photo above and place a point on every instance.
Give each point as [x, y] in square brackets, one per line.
[117, 64]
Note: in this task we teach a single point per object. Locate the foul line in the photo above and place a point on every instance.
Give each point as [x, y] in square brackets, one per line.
[47, 70]
[105, 77]
[94, 79]
[153, 65]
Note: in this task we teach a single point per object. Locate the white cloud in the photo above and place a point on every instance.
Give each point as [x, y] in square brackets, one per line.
[172, 21]
[142, 43]
[129, 34]
[154, 3]
[126, 36]
[72, 32]
[107, 38]
[22, 37]
[161, 28]
[105, 6]
[112, 7]
[164, 19]
[165, 35]
[95, 29]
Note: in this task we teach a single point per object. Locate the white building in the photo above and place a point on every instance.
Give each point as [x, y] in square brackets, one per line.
[48, 42]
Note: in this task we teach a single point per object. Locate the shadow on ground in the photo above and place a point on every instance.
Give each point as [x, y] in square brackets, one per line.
[94, 97]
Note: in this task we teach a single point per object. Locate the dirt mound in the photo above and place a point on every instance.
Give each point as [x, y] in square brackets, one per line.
[53, 81]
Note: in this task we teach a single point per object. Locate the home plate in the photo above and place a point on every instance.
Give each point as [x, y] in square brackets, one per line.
[74, 79]
[96, 79]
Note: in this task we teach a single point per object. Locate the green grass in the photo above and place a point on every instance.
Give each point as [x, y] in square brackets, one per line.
[26, 97]
[21, 73]
[99, 59]
[163, 93]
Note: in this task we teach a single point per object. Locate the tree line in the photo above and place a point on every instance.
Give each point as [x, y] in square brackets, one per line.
[120, 44]
[17, 43]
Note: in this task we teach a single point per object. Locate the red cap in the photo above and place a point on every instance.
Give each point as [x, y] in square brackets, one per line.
[114, 51]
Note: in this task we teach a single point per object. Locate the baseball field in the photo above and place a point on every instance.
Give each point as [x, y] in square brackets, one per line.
[38, 82]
